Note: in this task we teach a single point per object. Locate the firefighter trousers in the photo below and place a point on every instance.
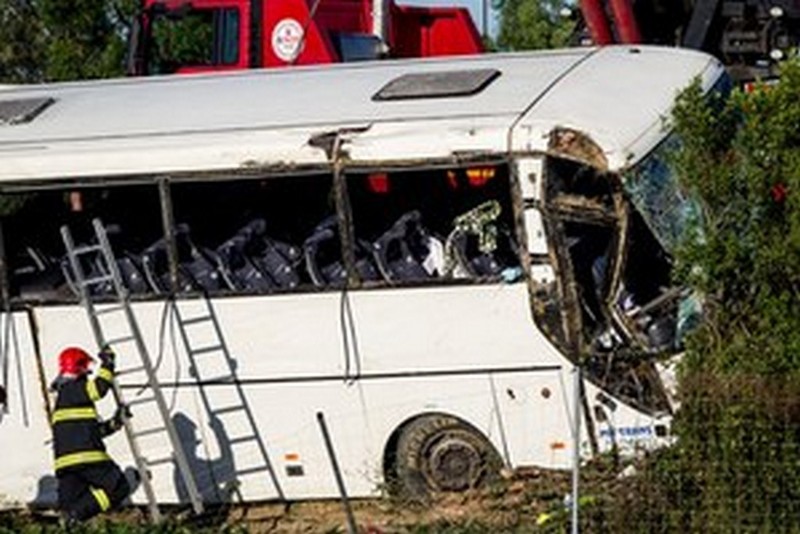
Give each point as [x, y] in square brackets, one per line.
[88, 490]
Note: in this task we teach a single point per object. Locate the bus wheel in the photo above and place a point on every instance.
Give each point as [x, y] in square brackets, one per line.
[439, 453]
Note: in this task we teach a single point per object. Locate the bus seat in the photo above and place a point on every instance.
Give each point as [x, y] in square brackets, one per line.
[401, 252]
[278, 261]
[36, 274]
[365, 262]
[204, 266]
[128, 264]
[474, 263]
[155, 262]
[323, 256]
[131, 274]
[241, 271]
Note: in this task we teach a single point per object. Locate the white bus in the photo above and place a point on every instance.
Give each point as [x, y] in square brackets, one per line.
[419, 251]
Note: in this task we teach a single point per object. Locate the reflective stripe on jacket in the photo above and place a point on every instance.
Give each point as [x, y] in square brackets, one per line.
[77, 431]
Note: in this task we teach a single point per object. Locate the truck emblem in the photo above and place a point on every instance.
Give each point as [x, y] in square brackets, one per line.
[287, 39]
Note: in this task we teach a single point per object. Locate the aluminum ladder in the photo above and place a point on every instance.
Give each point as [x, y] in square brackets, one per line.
[211, 363]
[119, 314]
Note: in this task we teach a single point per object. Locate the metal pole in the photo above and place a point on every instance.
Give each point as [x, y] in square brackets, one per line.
[576, 443]
[351, 522]
[380, 17]
[485, 18]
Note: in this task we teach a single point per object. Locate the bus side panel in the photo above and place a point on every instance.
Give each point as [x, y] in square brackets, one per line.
[536, 412]
[285, 350]
[449, 328]
[26, 472]
[285, 416]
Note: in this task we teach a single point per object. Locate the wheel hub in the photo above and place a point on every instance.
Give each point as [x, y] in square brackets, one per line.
[455, 464]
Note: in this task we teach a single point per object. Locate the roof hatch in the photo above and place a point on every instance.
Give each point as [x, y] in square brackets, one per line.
[437, 84]
[22, 110]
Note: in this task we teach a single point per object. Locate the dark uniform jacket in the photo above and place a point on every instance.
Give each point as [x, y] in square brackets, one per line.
[77, 430]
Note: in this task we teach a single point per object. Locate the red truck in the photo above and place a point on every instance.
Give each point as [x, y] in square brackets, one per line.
[211, 35]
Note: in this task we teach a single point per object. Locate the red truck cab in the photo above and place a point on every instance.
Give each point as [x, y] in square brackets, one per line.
[214, 35]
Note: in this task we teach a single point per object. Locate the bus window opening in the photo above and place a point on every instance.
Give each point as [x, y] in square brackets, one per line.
[36, 255]
[265, 235]
[436, 224]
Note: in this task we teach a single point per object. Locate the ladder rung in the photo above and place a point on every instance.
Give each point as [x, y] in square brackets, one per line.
[203, 350]
[143, 400]
[103, 278]
[130, 370]
[122, 339]
[159, 461]
[86, 249]
[229, 409]
[195, 320]
[250, 471]
[224, 378]
[149, 432]
[110, 309]
[242, 439]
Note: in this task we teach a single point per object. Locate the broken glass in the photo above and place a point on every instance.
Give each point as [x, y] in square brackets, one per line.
[653, 188]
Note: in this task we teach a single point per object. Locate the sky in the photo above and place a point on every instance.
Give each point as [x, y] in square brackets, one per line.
[474, 6]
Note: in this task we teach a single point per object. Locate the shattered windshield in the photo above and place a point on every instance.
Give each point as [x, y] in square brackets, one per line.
[653, 189]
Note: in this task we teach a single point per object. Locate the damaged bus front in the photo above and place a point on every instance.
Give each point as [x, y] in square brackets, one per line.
[601, 245]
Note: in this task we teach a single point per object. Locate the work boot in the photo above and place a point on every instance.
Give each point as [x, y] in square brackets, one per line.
[68, 522]
[134, 480]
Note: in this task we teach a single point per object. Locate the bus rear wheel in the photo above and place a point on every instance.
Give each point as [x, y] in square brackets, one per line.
[440, 453]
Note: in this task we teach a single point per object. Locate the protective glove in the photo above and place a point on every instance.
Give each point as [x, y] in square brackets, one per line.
[107, 356]
[122, 414]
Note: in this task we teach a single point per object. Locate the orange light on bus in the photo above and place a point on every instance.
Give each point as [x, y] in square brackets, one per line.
[558, 445]
[478, 176]
[291, 457]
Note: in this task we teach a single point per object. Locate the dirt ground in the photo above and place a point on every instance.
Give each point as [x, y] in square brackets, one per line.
[512, 504]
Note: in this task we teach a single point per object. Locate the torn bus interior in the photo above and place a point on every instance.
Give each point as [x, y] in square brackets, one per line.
[611, 237]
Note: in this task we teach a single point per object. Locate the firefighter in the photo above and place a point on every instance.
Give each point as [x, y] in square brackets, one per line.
[89, 482]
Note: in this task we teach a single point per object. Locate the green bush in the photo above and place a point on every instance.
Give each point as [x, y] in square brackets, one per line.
[736, 464]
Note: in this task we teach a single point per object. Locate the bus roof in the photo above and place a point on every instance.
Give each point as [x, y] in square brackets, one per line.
[493, 103]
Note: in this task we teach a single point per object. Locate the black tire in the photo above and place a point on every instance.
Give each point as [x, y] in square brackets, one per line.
[439, 453]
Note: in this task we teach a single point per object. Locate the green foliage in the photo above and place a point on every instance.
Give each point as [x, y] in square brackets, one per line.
[182, 41]
[21, 42]
[54, 40]
[736, 465]
[85, 38]
[533, 24]
[742, 160]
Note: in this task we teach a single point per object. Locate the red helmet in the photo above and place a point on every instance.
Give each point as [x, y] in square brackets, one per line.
[73, 361]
